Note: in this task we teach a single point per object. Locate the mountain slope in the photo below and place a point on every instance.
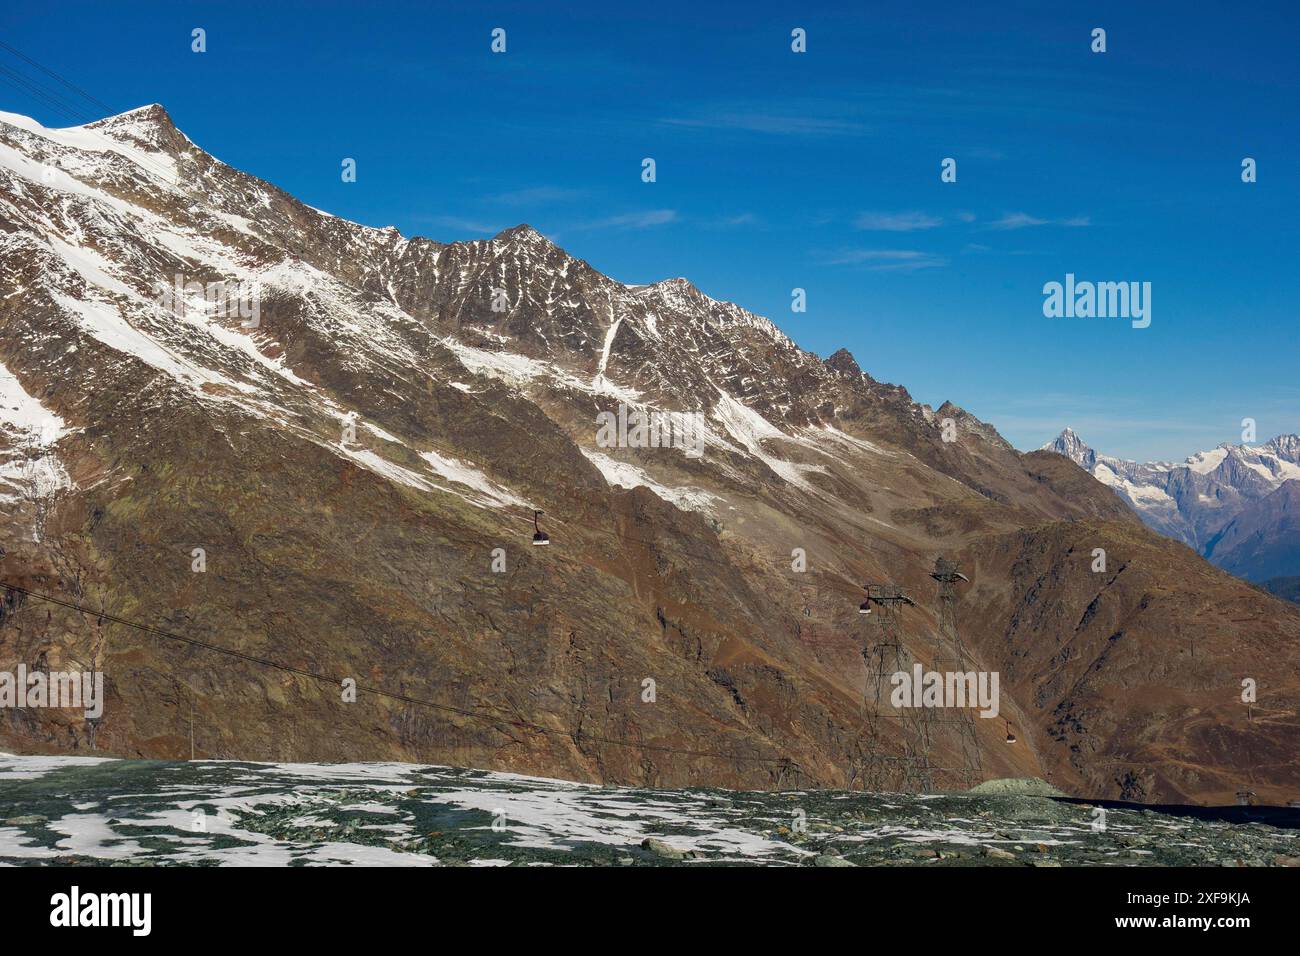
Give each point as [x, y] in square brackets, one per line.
[1263, 540]
[350, 431]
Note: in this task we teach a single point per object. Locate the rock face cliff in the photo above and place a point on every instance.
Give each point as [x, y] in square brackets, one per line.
[319, 445]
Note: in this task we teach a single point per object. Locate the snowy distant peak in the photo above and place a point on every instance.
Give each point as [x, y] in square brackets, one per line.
[1070, 438]
[1069, 444]
[1286, 447]
[1204, 462]
[1194, 500]
[1274, 458]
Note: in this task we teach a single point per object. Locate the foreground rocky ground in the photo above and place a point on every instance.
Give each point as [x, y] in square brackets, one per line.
[85, 811]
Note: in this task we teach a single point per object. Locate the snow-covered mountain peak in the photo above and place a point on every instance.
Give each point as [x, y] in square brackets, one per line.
[151, 117]
[1286, 447]
[112, 155]
[523, 234]
[678, 292]
[1069, 444]
[148, 128]
[683, 297]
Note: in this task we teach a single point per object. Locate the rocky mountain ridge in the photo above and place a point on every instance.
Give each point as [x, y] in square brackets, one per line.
[339, 477]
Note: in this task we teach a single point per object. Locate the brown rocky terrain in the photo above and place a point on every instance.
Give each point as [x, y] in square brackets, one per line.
[350, 464]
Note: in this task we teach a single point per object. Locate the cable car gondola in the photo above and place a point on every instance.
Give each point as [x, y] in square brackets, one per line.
[539, 536]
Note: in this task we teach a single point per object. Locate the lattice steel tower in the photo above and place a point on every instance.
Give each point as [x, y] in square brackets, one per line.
[952, 656]
[885, 656]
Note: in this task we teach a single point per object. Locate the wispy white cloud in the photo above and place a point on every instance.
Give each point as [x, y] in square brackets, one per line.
[461, 225]
[1016, 220]
[1022, 220]
[795, 122]
[896, 221]
[742, 219]
[731, 222]
[888, 260]
[632, 220]
[537, 196]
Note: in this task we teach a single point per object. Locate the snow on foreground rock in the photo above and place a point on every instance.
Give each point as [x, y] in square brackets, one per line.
[78, 810]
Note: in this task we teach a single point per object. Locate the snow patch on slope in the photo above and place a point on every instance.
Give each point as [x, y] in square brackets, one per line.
[623, 474]
[463, 473]
[31, 468]
[751, 429]
[105, 322]
[24, 414]
[1205, 462]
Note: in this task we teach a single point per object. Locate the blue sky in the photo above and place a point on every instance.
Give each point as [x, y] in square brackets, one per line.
[819, 170]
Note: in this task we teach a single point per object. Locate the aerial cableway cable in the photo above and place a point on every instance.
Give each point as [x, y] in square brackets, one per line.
[468, 713]
[622, 537]
[53, 99]
[48, 72]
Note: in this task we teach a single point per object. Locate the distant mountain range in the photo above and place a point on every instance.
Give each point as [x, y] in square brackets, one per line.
[1237, 505]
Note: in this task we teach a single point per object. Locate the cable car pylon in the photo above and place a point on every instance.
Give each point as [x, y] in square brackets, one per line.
[884, 656]
[947, 574]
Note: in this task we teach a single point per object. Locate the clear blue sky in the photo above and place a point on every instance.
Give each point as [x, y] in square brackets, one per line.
[819, 170]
